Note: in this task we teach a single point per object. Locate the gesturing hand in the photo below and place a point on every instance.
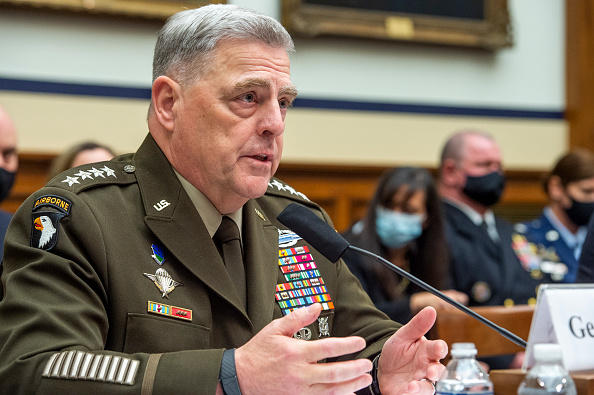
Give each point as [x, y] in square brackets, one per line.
[274, 362]
[409, 361]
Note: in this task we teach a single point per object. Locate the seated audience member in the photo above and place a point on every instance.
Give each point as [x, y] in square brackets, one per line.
[9, 164]
[484, 260]
[404, 225]
[79, 154]
[557, 236]
[163, 275]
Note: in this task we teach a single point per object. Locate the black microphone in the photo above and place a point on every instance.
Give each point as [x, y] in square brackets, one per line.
[332, 245]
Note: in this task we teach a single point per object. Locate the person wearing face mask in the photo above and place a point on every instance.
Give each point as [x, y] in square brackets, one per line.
[9, 163]
[484, 258]
[485, 261]
[403, 224]
[558, 234]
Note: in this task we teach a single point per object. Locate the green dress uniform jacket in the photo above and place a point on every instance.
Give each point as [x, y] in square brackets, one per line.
[112, 284]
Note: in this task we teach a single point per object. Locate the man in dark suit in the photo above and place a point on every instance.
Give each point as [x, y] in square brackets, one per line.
[483, 252]
[167, 271]
[9, 163]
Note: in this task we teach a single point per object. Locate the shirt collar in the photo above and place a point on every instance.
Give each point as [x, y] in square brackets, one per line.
[572, 240]
[474, 215]
[207, 211]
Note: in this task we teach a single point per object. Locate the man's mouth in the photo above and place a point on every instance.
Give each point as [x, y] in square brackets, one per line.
[261, 157]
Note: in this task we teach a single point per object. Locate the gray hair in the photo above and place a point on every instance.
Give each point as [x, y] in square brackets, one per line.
[454, 147]
[188, 39]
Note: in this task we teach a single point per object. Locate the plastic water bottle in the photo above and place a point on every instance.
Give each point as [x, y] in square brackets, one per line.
[547, 376]
[463, 374]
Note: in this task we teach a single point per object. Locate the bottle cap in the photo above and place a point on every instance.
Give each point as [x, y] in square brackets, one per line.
[463, 349]
[547, 352]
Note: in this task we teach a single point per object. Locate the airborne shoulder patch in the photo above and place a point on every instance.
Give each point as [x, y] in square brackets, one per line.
[46, 224]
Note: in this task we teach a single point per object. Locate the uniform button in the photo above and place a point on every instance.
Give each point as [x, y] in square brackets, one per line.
[129, 168]
[508, 303]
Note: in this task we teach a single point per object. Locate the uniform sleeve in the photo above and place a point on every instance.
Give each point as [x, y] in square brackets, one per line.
[586, 261]
[54, 316]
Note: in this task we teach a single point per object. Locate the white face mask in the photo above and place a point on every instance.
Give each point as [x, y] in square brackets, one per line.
[396, 229]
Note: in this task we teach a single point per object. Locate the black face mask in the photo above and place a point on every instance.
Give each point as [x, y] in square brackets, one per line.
[486, 189]
[579, 213]
[6, 181]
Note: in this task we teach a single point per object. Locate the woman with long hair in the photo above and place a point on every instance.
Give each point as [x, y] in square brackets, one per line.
[404, 225]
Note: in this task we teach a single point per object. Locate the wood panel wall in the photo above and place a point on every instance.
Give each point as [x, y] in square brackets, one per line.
[343, 191]
[579, 79]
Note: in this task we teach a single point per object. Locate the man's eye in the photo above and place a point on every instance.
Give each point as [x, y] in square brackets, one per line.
[249, 97]
[284, 103]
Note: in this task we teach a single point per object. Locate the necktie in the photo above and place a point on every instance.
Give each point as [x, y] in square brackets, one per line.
[229, 245]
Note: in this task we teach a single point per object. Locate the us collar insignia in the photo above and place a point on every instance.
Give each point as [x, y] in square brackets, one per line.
[163, 281]
[45, 224]
[158, 254]
[169, 311]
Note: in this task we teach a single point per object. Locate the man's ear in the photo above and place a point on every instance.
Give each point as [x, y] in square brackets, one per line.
[165, 93]
[450, 173]
[555, 189]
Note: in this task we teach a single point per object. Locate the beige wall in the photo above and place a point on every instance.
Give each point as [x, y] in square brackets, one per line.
[47, 123]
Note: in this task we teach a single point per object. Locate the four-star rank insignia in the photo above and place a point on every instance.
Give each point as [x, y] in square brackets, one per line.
[46, 224]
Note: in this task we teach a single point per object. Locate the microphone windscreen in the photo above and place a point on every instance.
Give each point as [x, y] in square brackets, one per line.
[314, 230]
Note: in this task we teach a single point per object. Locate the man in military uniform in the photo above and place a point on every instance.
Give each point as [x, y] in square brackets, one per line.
[120, 278]
[484, 263]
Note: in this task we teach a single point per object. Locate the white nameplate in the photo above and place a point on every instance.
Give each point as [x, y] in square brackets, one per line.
[564, 315]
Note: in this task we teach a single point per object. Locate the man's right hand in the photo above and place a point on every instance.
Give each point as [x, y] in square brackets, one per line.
[274, 362]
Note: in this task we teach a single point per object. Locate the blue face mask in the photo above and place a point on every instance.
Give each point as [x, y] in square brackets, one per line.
[396, 229]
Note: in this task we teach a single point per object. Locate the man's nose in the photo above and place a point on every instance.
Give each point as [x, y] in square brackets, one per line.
[273, 120]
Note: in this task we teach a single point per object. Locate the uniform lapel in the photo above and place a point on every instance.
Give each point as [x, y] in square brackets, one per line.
[172, 217]
[260, 240]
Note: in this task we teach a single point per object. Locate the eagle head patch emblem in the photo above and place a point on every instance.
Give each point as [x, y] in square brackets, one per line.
[45, 224]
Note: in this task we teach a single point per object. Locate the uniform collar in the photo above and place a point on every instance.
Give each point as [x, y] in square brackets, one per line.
[208, 212]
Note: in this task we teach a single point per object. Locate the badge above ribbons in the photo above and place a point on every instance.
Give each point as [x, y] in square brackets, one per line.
[564, 316]
[46, 224]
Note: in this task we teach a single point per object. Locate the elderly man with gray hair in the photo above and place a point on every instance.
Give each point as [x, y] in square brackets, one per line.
[167, 271]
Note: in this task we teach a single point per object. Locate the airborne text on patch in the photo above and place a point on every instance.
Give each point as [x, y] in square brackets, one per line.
[53, 201]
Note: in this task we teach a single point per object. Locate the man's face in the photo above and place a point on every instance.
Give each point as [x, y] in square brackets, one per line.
[9, 160]
[228, 133]
[481, 156]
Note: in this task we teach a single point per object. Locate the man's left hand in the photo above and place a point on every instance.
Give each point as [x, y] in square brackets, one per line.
[409, 363]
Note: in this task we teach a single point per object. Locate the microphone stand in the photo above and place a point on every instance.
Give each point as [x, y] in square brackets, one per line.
[502, 331]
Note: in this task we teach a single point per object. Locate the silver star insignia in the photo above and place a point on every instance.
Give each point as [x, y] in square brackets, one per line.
[71, 180]
[84, 174]
[108, 171]
[97, 173]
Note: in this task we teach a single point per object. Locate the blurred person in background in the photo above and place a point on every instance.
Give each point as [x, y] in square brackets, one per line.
[79, 154]
[9, 164]
[404, 225]
[557, 236]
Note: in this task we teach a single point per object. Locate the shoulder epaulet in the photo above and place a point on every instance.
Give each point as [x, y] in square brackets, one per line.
[278, 188]
[78, 179]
